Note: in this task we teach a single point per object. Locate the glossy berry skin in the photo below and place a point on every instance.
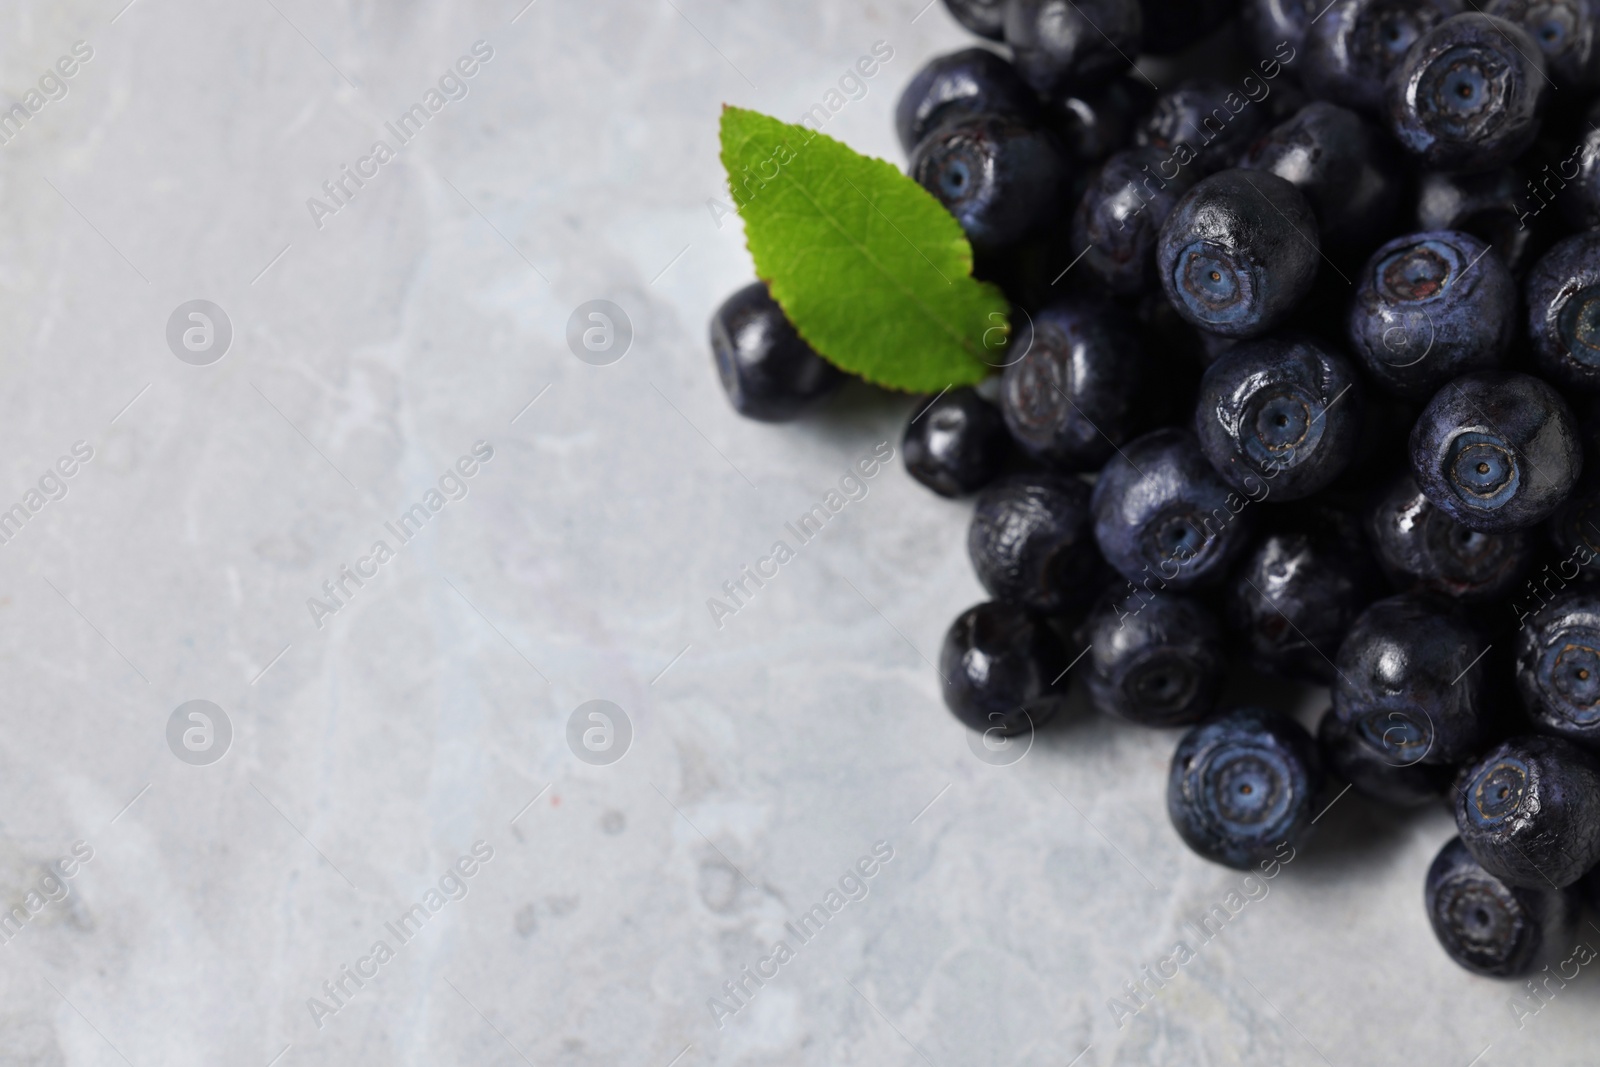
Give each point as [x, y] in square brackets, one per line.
[973, 81]
[1171, 26]
[1468, 94]
[1566, 31]
[768, 372]
[1564, 312]
[1354, 44]
[1095, 123]
[1344, 167]
[1062, 45]
[1081, 386]
[1294, 596]
[1155, 659]
[1558, 666]
[1412, 682]
[1346, 754]
[1496, 451]
[986, 18]
[1119, 219]
[998, 664]
[1489, 927]
[1242, 784]
[1430, 307]
[1195, 126]
[955, 443]
[1031, 543]
[1579, 170]
[1238, 253]
[1423, 550]
[1162, 514]
[999, 176]
[1493, 206]
[1280, 412]
[1278, 27]
[1529, 811]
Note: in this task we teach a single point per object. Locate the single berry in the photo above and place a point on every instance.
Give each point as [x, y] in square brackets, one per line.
[986, 18]
[1496, 450]
[1344, 167]
[1277, 28]
[955, 443]
[1000, 177]
[1031, 543]
[1155, 659]
[1494, 206]
[1202, 124]
[1280, 415]
[1001, 668]
[1163, 515]
[1423, 550]
[1243, 784]
[1566, 31]
[1063, 44]
[1467, 95]
[1577, 178]
[1371, 770]
[1095, 123]
[1412, 681]
[1119, 219]
[1293, 597]
[973, 81]
[1238, 252]
[768, 372]
[1558, 666]
[1529, 811]
[1489, 927]
[1352, 45]
[1080, 387]
[1564, 312]
[1430, 307]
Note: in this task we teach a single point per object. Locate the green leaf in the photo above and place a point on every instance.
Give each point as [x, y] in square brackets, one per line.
[874, 273]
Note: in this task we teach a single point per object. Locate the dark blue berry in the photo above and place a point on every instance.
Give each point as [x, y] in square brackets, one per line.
[1002, 669]
[1281, 412]
[1496, 450]
[955, 443]
[1155, 659]
[1468, 94]
[1062, 45]
[986, 18]
[1000, 177]
[1373, 772]
[1078, 389]
[1493, 206]
[1243, 784]
[1095, 123]
[1344, 167]
[1412, 680]
[1423, 550]
[1558, 666]
[1489, 927]
[1119, 218]
[1353, 45]
[1566, 31]
[1202, 125]
[1295, 595]
[1576, 178]
[768, 372]
[1278, 27]
[1429, 307]
[1564, 312]
[1238, 252]
[974, 81]
[1529, 812]
[1163, 515]
[1031, 542]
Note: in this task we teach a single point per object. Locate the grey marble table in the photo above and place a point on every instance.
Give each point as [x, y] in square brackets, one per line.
[373, 840]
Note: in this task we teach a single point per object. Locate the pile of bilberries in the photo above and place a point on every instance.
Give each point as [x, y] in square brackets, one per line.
[1304, 380]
